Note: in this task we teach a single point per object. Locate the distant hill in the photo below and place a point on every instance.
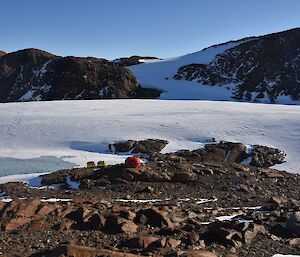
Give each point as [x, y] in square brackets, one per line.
[257, 69]
[2, 53]
[134, 60]
[32, 75]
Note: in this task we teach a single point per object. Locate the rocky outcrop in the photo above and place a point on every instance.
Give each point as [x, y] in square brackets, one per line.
[85, 251]
[2, 53]
[205, 202]
[293, 224]
[181, 167]
[125, 229]
[263, 156]
[148, 146]
[259, 69]
[235, 234]
[32, 75]
[134, 60]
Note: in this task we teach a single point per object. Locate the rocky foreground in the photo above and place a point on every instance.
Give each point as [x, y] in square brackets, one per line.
[222, 200]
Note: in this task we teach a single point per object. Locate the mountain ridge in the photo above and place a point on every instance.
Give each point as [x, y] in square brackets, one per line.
[33, 75]
[2, 53]
[253, 69]
[268, 75]
[228, 71]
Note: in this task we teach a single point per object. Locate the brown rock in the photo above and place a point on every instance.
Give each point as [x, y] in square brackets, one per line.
[213, 164]
[172, 243]
[193, 238]
[148, 190]
[9, 209]
[117, 224]
[86, 183]
[128, 176]
[197, 253]
[128, 227]
[21, 208]
[10, 255]
[85, 251]
[242, 226]
[252, 232]
[249, 236]
[183, 173]
[39, 225]
[154, 218]
[239, 167]
[62, 213]
[54, 178]
[141, 242]
[293, 223]
[119, 208]
[121, 146]
[149, 146]
[244, 188]
[112, 223]
[96, 221]
[224, 231]
[278, 230]
[295, 242]
[176, 158]
[161, 243]
[263, 156]
[237, 153]
[271, 173]
[130, 215]
[46, 209]
[278, 201]
[2, 204]
[86, 213]
[65, 225]
[15, 223]
[192, 215]
[215, 153]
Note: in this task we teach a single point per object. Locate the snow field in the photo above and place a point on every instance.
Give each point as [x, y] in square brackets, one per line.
[79, 131]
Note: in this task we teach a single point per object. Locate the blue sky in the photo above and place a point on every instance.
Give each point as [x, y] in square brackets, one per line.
[116, 28]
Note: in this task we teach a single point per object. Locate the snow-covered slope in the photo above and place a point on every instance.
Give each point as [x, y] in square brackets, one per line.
[79, 131]
[159, 75]
[258, 69]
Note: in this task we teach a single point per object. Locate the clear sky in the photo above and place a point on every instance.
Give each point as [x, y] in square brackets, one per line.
[117, 28]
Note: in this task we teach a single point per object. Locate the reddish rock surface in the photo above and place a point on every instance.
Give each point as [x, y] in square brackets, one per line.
[189, 203]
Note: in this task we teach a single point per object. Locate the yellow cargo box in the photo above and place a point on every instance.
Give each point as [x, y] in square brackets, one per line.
[101, 164]
[90, 165]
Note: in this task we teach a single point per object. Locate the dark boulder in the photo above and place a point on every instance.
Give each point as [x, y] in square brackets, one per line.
[147, 146]
[133, 60]
[263, 156]
[153, 217]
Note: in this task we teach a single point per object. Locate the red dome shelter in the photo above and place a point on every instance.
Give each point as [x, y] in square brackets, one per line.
[133, 162]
